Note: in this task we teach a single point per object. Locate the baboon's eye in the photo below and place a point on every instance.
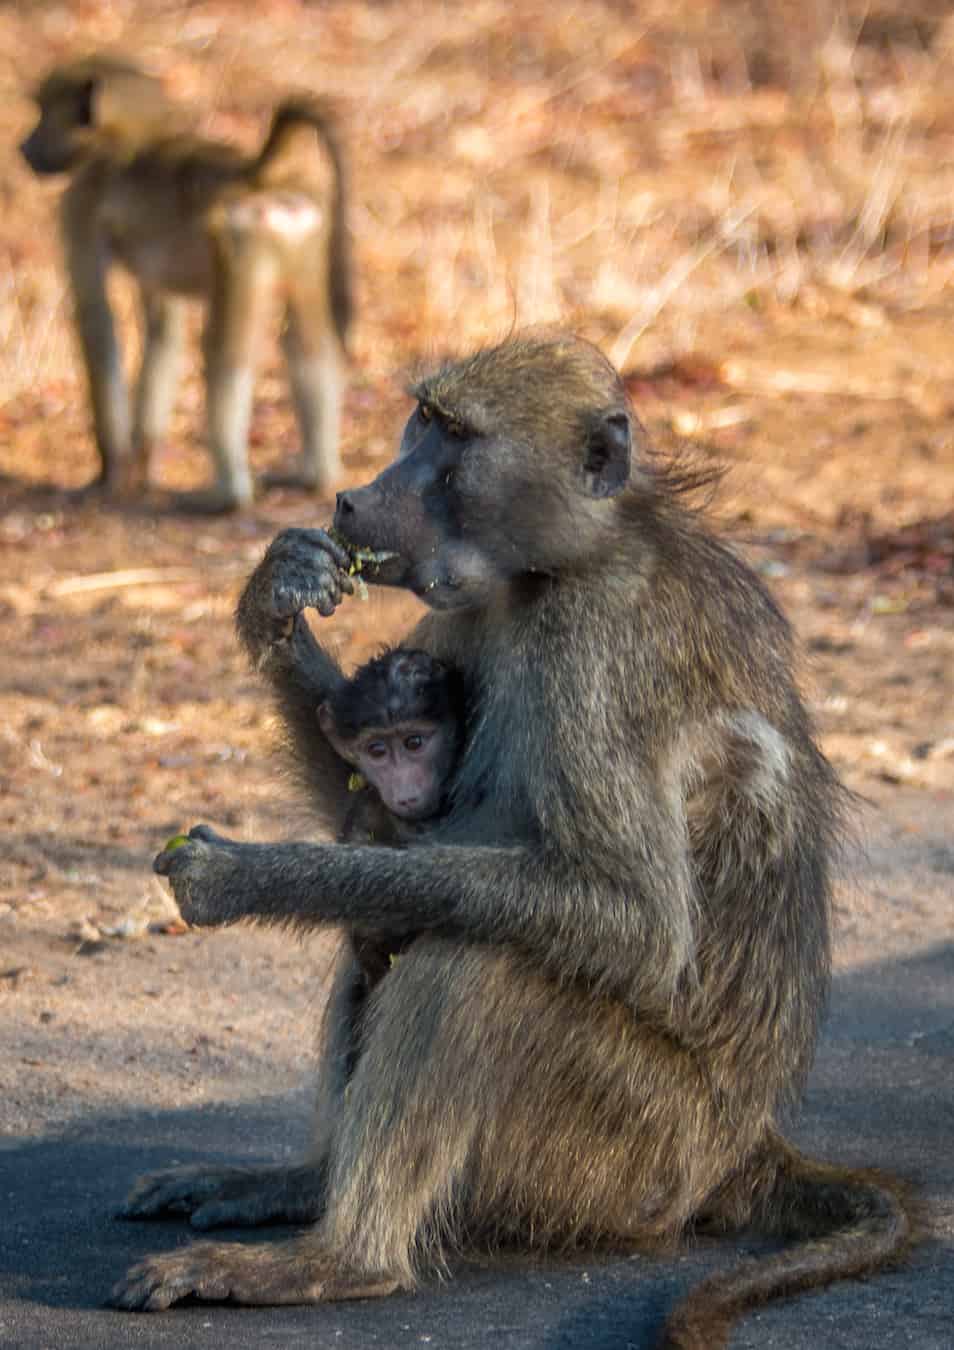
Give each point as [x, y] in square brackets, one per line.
[425, 412]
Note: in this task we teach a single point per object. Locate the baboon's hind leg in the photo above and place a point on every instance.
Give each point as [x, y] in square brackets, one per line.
[398, 1149]
[220, 1197]
[163, 320]
[217, 1197]
[313, 359]
[423, 1153]
[246, 268]
[87, 260]
[262, 1275]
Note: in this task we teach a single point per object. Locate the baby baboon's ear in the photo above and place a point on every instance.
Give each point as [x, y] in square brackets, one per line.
[329, 727]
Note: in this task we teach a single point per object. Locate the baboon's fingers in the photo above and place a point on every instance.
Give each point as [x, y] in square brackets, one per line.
[322, 593]
[221, 1197]
[183, 851]
[280, 1274]
[178, 1191]
[247, 1205]
[159, 1281]
[173, 861]
[210, 836]
[305, 545]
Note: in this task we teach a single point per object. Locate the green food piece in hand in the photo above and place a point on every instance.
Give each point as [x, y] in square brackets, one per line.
[375, 557]
[340, 540]
[358, 558]
[356, 782]
[176, 841]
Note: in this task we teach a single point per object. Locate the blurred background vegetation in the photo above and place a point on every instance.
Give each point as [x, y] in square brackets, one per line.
[747, 195]
[748, 203]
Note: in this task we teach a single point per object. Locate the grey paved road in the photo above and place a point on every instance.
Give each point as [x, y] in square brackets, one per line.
[883, 1091]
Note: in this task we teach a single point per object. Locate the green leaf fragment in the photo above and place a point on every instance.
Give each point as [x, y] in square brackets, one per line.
[359, 558]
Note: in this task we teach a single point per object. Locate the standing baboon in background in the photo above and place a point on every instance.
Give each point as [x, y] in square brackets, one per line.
[192, 217]
[622, 923]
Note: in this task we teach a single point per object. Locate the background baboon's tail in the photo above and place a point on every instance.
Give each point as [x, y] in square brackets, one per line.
[854, 1223]
[285, 161]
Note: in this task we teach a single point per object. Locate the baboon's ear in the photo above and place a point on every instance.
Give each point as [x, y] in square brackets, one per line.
[329, 727]
[606, 458]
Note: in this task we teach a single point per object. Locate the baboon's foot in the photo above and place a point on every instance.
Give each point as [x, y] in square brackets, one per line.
[298, 474]
[128, 479]
[230, 1196]
[213, 501]
[288, 1272]
[97, 489]
[125, 480]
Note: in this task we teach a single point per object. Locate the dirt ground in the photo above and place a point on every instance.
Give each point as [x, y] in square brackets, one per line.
[750, 211]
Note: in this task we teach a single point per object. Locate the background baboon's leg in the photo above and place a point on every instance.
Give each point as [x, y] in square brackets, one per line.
[238, 313]
[245, 274]
[313, 358]
[163, 332]
[87, 261]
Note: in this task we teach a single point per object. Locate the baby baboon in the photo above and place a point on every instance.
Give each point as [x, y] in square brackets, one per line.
[399, 722]
[621, 924]
[192, 217]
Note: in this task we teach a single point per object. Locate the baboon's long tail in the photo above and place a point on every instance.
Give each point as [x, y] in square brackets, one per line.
[855, 1223]
[281, 162]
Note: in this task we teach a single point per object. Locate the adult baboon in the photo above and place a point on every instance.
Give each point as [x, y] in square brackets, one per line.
[622, 924]
[193, 217]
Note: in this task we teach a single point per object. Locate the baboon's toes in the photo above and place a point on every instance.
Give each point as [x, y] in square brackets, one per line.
[180, 1191]
[159, 1281]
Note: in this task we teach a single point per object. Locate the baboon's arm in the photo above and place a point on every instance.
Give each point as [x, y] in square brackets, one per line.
[617, 935]
[300, 671]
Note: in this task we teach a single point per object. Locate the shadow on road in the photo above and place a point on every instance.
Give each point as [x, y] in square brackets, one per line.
[882, 1093]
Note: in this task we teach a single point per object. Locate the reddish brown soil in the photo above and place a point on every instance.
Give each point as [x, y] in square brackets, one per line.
[759, 234]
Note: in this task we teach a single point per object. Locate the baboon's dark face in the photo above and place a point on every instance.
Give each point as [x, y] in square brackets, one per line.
[54, 144]
[507, 468]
